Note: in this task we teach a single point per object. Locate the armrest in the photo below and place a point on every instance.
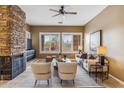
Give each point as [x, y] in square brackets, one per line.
[92, 61]
[77, 55]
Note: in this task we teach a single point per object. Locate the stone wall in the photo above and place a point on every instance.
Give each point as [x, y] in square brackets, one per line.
[27, 27]
[5, 35]
[12, 30]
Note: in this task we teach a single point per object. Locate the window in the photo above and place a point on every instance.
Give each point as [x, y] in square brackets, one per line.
[71, 42]
[67, 42]
[50, 42]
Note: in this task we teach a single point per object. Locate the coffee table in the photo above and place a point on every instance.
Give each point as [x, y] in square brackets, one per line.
[54, 62]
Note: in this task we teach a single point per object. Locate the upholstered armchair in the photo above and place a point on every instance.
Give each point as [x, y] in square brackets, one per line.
[67, 71]
[41, 71]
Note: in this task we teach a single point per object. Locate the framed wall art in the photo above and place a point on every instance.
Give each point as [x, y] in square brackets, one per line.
[95, 40]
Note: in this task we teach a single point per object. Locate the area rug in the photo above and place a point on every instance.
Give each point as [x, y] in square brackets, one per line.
[26, 80]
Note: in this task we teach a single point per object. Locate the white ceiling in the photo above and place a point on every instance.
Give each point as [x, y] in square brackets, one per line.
[41, 15]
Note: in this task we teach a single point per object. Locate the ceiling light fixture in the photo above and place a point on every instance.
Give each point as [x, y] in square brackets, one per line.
[62, 11]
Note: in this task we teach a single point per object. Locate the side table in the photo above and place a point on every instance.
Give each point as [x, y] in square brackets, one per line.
[100, 71]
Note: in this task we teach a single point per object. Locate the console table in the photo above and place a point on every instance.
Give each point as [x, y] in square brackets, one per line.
[30, 54]
[11, 66]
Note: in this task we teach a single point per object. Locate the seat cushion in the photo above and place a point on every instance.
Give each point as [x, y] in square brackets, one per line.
[42, 76]
[68, 76]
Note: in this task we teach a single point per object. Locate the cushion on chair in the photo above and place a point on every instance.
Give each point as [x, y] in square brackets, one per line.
[41, 67]
[67, 71]
[41, 71]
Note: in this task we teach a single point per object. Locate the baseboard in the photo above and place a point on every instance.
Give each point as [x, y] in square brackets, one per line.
[90, 87]
[116, 79]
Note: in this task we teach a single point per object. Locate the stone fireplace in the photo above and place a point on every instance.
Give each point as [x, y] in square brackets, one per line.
[12, 41]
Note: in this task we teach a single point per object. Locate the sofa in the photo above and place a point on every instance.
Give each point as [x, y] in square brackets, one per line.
[80, 58]
[87, 63]
[87, 60]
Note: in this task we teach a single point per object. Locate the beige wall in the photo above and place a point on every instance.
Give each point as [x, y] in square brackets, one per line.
[111, 21]
[36, 29]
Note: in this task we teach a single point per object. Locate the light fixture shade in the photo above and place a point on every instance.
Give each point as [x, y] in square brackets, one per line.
[80, 47]
[101, 50]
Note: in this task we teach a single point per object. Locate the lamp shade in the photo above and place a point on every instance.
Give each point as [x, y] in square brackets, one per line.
[79, 47]
[101, 50]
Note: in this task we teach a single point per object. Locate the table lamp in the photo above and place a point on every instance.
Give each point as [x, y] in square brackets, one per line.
[80, 49]
[101, 51]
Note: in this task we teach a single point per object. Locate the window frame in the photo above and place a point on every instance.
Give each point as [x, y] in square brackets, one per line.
[40, 42]
[72, 33]
[60, 36]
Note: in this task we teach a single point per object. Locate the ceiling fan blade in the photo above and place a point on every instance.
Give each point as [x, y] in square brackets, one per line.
[56, 15]
[71, 13]
[54, 10]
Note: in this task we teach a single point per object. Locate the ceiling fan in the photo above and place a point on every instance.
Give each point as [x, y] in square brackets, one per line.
[62, 11]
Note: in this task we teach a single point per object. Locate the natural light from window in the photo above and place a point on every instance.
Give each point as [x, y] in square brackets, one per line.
[60, 42]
